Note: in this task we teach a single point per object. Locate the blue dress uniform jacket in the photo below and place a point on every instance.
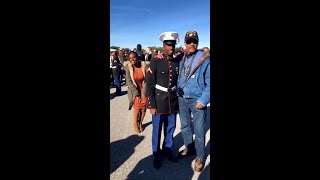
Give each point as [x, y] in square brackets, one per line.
[161, 79]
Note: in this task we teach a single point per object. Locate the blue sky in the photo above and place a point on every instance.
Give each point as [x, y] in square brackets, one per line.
[135, 22]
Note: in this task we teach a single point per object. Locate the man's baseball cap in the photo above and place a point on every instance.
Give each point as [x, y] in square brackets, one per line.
[169, 38]
[191, 35]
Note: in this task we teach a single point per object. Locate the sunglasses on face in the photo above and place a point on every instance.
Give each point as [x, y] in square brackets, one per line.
[192, 41]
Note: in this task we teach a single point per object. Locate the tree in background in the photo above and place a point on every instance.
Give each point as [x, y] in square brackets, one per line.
[126, 49]
[115, 47]
[143, 50]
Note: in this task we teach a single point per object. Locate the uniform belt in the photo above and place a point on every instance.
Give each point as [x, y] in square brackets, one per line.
[114, 67]
[165, 89]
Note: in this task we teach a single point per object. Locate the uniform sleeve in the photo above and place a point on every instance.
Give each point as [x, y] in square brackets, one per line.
[150, 84]
[179, 57]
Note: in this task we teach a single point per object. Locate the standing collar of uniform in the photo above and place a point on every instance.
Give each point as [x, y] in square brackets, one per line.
[167, 57]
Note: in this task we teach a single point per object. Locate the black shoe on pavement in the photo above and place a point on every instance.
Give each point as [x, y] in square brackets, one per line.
[172, 158]
[118, 93]
[156, 163]
[168, 153]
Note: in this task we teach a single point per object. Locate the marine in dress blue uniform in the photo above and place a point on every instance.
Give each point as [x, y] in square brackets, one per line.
[162, 100]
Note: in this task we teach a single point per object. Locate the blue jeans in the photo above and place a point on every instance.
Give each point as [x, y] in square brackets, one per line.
[186, 107]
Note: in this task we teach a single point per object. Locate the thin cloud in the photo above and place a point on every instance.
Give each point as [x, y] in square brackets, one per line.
[130, 8]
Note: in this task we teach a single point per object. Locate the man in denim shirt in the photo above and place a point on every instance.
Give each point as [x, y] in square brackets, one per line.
[194, 95]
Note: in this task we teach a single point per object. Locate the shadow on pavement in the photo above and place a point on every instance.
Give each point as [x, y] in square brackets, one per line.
[124, 93]
[168, 170]
[146, 124]
[113, 95]
[183, 169]
[205, 174]
[207, 150]
[121, 150]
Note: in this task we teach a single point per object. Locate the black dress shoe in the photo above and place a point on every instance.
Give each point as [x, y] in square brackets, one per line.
[172, 158]
[168, 153]
[156, 163]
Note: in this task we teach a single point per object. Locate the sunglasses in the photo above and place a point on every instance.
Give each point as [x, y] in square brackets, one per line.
[192, 41]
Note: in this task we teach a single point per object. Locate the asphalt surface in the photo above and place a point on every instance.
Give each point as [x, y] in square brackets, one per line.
[131, 153]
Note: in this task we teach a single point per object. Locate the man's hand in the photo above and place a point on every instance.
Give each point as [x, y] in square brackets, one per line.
[199, 105]
[159, 56]
[153, 111]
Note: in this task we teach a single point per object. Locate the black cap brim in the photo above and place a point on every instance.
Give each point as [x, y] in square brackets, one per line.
[170, 42]
[191, 38]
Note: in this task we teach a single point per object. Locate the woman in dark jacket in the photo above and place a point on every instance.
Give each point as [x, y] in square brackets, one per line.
[135, 78]
[122, 59]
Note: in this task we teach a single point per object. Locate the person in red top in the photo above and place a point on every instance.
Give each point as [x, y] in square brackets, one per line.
[135, 78]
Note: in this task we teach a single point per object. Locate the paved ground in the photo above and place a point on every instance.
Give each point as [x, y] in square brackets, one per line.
[131, 153]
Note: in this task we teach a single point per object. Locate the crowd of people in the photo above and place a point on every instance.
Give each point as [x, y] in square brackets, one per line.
[167, 83]
[118, 60]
